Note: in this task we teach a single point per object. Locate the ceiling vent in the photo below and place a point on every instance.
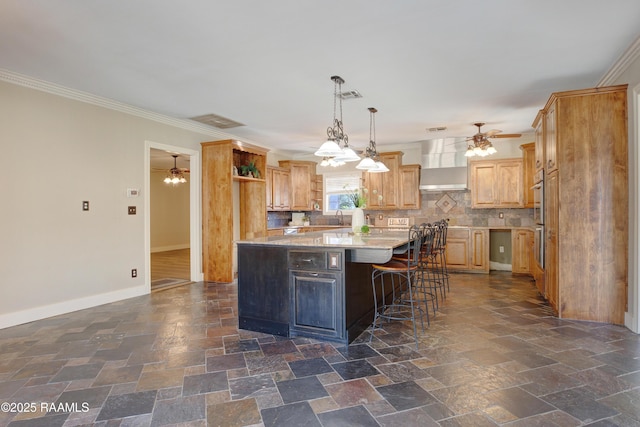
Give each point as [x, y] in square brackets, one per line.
[217, 121]
[437, 129]
[350, 94]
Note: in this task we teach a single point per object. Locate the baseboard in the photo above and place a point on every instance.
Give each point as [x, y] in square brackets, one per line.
[42, 312]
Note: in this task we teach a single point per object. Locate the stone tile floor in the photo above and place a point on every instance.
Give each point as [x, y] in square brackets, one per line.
[493, 355]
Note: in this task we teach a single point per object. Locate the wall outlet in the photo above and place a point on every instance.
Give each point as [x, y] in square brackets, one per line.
[501, 248]
[85, 205]
[380, 217]
[501, 215]
[131, 210]
[134, 272]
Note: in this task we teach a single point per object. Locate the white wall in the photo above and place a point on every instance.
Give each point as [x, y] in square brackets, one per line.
[631, 76]
[169, 214]
[54, 257]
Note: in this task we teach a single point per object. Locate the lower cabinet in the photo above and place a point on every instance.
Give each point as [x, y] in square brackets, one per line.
[316, 304]
[521, 246]
[467, 249]
[316, 289]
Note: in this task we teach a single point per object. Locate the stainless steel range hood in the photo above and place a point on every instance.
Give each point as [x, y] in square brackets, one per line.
[444, 166]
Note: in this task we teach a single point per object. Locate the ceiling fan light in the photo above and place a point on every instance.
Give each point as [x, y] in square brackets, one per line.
[329, 149]
[491, 150]
[366, 164]
[469, 152]
[167, 180]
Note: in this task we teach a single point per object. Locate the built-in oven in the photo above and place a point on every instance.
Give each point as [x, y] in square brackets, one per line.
[538, 217]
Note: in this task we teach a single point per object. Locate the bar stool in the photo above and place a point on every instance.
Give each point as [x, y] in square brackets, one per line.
[431, 267]
[395, 284]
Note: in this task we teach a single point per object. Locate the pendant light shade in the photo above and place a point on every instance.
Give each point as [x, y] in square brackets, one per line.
[371, 162]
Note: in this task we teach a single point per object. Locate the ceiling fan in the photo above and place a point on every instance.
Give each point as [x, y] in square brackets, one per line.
[493, 133]
[480, 145]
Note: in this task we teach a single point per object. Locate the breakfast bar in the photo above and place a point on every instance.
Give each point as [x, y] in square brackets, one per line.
[314, 285]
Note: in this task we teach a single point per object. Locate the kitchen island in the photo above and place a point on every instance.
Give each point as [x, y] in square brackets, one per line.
[315, 285]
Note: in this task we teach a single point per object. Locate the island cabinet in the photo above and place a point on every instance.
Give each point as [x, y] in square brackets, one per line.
[222, 220]
[496, 183]
[302, 175]
[586, 203]
[277, 180]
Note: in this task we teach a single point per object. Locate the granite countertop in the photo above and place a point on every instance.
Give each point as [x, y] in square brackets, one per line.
[341, 238]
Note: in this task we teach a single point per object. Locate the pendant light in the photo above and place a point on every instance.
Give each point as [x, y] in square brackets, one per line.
[332, 148]
[371, 162]
[175, 175]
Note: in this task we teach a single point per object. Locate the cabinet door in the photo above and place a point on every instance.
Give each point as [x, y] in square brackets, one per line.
[373, 183]
[316, 303]
[300, 186]
[268, 177]
[409, 187]
[483, 185]
[550, 138]
[539, 141]
[390, 180]
[281, 190]
[528, 172]
[520, 255]
[479, 249]
[551, 242]
[509, 184]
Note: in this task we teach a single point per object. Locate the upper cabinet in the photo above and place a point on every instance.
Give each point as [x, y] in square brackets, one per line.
[302, 184]
[278, 189]
[409, 178]
[538, 126]
[496, 183]
[529, 170]
[396, 189]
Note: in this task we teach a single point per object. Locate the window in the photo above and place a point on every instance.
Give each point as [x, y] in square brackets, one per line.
[337, 187]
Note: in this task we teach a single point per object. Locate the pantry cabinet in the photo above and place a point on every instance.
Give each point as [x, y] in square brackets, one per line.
[586, 203]
[496, 183]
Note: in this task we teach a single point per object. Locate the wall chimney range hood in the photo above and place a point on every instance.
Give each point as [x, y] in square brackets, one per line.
[444, 165]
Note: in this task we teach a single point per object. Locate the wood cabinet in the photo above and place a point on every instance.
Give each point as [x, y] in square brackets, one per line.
[221, 222]
[301, 176]
[538, 126]
[467, 249]
[278, 181]
[528, 172]
[385, 184]
[316, 189]
[496, 183]
[409, 178]
[521, 247]
[399, 187]
[586, 203]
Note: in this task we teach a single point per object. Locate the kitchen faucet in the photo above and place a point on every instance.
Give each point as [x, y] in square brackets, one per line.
[340, 218]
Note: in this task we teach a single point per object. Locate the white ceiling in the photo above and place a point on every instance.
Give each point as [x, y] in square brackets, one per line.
[267, 64]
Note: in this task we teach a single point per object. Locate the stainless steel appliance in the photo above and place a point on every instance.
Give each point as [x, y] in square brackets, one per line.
[538, 217]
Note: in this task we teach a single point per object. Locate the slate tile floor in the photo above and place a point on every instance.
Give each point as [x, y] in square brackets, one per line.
[493, 355]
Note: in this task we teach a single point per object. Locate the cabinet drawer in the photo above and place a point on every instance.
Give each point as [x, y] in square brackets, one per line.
[307, 260]
[457, 233]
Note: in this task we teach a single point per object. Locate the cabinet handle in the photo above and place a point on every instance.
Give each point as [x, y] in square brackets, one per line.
[307, 260]
[314, 274]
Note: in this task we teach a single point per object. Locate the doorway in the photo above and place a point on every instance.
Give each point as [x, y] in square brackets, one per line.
[172, 218]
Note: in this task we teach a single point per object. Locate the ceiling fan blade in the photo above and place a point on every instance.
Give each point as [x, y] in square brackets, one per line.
[508, 135]
[492, 132]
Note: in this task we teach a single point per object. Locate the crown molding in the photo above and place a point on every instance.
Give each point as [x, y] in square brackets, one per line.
[620, 66]
[77, 95]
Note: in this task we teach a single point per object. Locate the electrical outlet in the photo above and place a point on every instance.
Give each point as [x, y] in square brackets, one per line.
[501, 215]
[501, 249]
[132, 210]
[134, 272]
[85, 205]
[380, 217]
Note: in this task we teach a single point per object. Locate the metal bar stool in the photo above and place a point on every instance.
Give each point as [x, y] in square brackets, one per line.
[441, 248]
[431, 267]
[396, 282]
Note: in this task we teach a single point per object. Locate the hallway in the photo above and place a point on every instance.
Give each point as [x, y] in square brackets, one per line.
[493, 355]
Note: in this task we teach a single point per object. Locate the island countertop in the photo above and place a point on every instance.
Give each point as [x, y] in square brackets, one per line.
[377, 246]
[339, 238]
